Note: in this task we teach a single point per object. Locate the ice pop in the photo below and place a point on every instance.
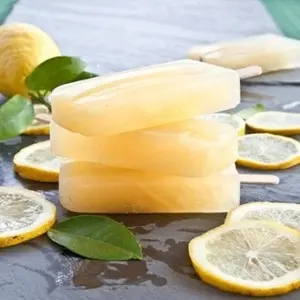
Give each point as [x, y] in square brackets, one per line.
[144, 98]
[269, 51]
[90, 188]
[195, 147]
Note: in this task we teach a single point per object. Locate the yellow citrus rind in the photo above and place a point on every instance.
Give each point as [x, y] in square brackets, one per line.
[43, 223]
[215, 277]
[34, 171]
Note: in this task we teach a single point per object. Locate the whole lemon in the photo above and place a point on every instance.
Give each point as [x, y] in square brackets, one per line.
[22, 48]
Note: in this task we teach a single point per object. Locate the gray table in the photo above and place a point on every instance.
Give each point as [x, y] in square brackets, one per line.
[115, 35]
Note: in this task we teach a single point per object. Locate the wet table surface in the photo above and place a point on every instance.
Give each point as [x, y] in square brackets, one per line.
[157, 31]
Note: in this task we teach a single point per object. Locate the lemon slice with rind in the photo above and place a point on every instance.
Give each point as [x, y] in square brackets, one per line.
[237, 122]
[250, 258]
[268, 151]
[287, 214]
[277, 122]
[24, 215]
[36, 162]
[37, 127]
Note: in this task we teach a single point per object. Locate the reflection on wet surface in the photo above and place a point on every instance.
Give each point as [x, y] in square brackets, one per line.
[164, 247]
[93, 275]
[162, 255]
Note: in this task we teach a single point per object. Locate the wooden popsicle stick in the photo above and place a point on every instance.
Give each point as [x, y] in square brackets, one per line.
[249, 72]
[259, 179]
[43, 118]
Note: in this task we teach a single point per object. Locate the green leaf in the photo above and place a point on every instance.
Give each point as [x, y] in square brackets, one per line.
[85, 75]
[286, 14]
[54, 72]
[16, 114]
[249, 112]
[96, 237]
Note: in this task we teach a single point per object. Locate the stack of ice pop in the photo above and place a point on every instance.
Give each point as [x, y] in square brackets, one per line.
[135, 142]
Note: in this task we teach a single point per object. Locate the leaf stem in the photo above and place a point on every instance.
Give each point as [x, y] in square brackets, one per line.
[40, 97]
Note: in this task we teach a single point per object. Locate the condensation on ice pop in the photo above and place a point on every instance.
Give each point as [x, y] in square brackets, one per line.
[194, 147]
[145, 97]
[269, 51]
[90, 188]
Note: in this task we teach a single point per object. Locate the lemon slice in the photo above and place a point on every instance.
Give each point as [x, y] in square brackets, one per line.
[24, 215]
[287, 214]
[36, 162]
[268, 151]
[37, 127]
[251, 258]
[237, 122]
[277, 122]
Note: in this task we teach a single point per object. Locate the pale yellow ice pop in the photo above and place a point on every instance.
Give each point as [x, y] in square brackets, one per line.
[90, 188]
[194, 147]
[144, 98]
[269, 51]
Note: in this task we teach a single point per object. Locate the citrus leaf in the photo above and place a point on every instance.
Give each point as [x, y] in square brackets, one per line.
[249, 112]
[96, 237]
[85, 75]
[286, 15]
[16, 114]
[54, 72]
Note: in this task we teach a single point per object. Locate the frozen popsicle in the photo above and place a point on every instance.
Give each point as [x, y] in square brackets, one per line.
[195, 147]
[90, 188]
[144, 98]
[269, 51]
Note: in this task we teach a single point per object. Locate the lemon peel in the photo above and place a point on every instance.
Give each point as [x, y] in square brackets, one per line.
[22, 48]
